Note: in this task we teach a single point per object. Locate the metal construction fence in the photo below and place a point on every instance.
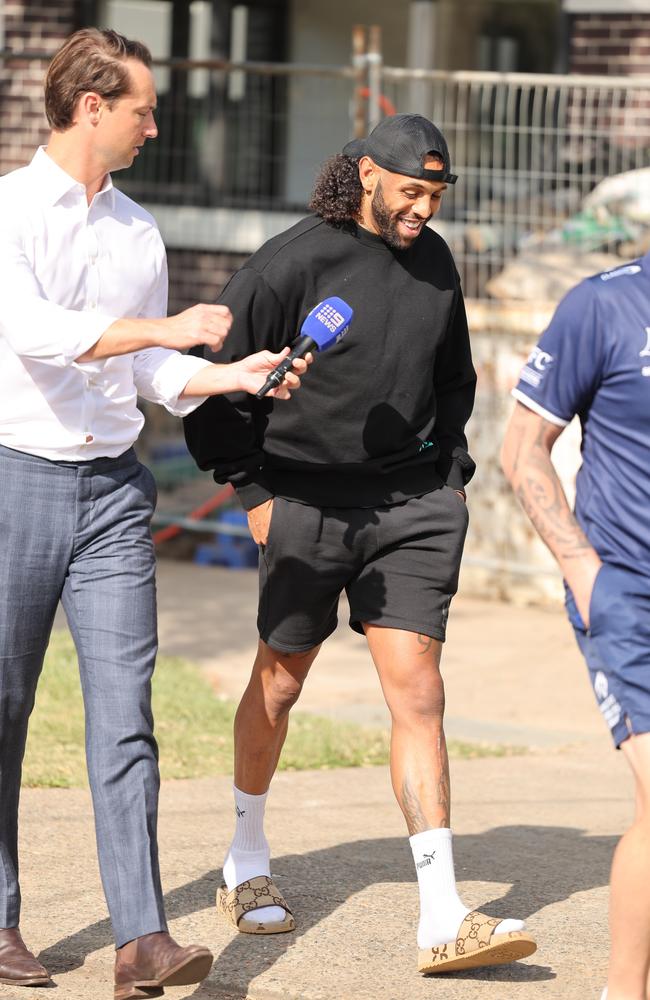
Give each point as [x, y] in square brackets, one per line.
[528, 149]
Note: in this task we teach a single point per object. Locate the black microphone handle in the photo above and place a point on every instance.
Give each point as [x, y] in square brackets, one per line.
[301, 347]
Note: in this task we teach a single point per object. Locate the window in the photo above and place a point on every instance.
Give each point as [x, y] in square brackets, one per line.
[221, 135]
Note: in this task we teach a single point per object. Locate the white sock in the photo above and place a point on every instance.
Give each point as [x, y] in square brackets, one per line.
[249, 853]
[441, 909]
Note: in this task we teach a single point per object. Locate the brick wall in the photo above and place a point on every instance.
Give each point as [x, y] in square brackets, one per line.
[198, 275]
[610, 44]
[30, 26]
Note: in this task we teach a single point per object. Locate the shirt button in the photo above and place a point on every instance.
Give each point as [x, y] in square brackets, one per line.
[89, 438]
[92, 305]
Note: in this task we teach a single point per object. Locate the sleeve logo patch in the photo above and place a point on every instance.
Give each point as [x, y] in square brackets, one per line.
[537, 363]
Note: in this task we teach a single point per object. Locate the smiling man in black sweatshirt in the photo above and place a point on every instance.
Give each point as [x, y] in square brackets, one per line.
[358, 485]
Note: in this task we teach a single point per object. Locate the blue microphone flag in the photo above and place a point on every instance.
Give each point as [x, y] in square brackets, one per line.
[327, 322]
[325, 325]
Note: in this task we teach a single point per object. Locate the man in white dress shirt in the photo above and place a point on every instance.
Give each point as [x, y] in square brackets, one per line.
[83, 332]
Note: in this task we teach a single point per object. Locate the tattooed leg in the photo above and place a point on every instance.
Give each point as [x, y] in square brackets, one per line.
[416, 821]
[411, 806]
[408, 665]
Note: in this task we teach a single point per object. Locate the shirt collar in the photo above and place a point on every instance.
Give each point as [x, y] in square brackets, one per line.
[54, 182]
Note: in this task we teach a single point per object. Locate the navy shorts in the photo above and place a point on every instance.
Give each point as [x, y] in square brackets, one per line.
[398, 565]
[617, 648]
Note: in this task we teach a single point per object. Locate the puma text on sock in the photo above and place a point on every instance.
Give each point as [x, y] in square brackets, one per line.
[441, 910]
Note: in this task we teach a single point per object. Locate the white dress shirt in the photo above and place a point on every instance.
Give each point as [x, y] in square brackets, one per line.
[67, 271]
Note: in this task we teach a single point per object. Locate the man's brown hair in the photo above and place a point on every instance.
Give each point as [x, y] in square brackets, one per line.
[89, 60]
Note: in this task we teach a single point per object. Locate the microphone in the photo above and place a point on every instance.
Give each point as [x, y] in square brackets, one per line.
[325, 325]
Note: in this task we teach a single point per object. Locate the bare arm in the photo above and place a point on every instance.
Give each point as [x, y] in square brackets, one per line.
[247, 375]
[526, 462]
[202, 324]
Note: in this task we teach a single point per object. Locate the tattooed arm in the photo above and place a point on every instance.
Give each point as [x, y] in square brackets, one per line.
[526, 462]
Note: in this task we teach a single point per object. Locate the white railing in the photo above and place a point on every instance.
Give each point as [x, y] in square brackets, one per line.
[528, 149]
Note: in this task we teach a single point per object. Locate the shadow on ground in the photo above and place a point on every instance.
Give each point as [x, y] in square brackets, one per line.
[542, 864]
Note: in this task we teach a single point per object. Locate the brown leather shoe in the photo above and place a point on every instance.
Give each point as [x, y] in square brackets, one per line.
[147, 964]
[18, 967]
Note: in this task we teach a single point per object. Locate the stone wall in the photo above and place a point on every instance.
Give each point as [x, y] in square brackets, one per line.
[504, 557]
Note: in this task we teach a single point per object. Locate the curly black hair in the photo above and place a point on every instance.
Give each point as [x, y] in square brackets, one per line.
[337, 192]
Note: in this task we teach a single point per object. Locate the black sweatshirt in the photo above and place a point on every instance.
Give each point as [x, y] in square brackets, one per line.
[379, 416]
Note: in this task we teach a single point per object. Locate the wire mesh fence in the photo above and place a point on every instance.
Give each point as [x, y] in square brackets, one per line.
[241, 137]
[528, 148]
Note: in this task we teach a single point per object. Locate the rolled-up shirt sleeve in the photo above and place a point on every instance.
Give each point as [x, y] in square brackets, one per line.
[32, 325]
[161, 375]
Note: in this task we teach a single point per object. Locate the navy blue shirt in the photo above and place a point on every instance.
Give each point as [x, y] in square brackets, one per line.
[594, 361]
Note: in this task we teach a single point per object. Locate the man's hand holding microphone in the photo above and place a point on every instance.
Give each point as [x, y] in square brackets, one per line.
[260, 374]
[198, 325]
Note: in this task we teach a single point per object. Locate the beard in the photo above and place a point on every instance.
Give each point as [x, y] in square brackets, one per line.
[386, 223]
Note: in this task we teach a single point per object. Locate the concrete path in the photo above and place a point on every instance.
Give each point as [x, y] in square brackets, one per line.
[534, 833]
[513, 674]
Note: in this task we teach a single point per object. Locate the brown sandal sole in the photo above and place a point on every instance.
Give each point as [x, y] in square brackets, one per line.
[503, 948]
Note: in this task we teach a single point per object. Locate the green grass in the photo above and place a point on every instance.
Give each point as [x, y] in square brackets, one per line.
[193, 728]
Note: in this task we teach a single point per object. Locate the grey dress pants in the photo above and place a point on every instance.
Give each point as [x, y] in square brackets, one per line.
[80, 532]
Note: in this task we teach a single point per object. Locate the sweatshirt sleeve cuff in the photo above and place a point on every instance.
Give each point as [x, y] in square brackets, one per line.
[455, 477]
[252, 495]
[457, 470]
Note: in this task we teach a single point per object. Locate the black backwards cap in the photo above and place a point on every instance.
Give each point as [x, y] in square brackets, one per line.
[401, 143]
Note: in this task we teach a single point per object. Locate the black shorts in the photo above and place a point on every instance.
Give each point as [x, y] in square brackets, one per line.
[398, 566]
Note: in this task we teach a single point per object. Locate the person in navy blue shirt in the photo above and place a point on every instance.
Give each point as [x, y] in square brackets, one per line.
[593, 361]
